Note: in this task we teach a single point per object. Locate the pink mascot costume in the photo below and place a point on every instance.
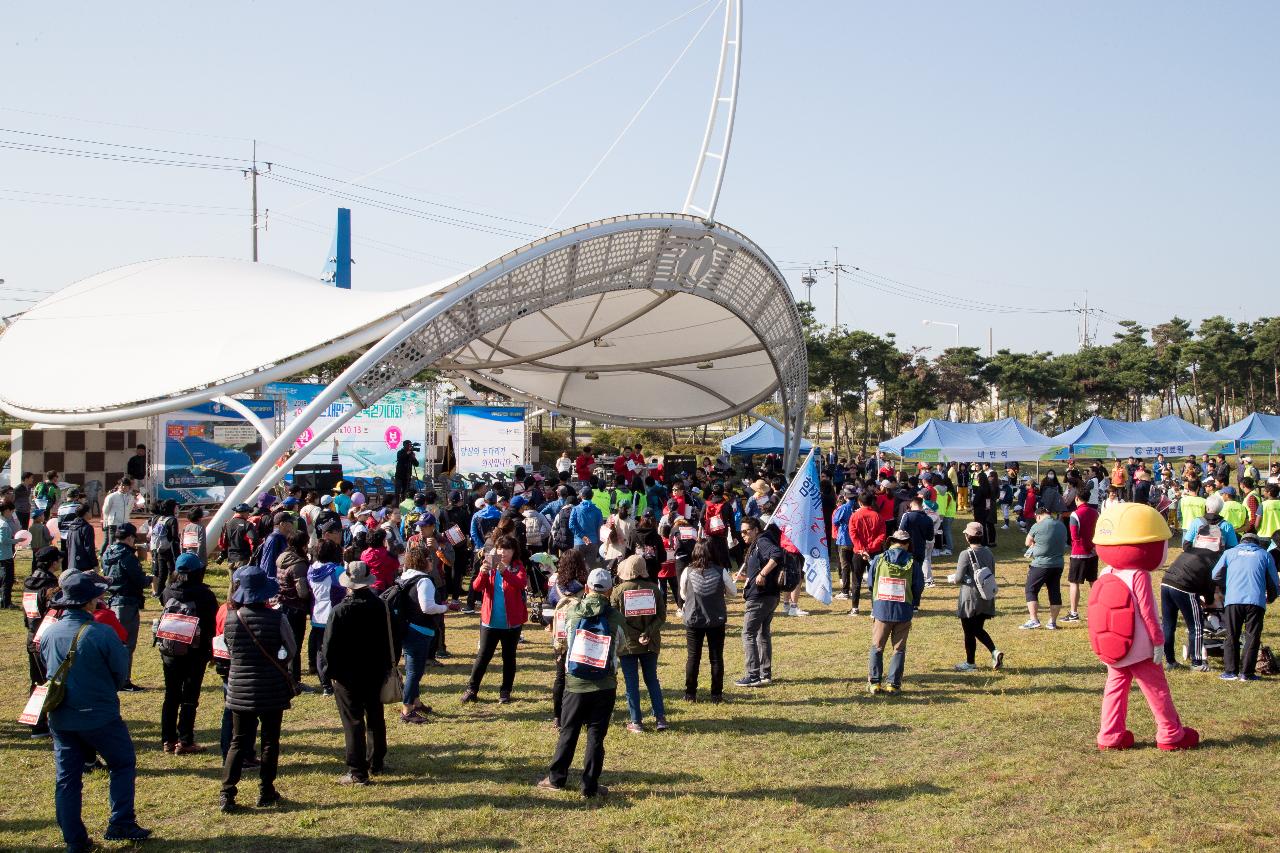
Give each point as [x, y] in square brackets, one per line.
[1124, 625]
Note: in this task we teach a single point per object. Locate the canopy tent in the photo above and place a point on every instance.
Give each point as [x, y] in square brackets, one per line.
[1101, 438]
[760, 437]
[1258, 433]
[1007, 439]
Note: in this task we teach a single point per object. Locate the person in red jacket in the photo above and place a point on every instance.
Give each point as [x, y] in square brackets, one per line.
[867, 533]
[501, 580]
[884, 506]
[582, 465]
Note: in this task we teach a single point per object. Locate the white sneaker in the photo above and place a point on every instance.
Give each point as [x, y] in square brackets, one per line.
[997, 659]
[1029, 625]
[798, 612]
[842, 596]
[1004, 526]
[1051, 626]
[965, 667]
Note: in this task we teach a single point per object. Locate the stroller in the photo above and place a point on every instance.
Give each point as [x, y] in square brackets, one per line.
[1213, 636]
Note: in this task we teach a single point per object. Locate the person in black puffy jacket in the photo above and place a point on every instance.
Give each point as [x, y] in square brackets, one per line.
[259, 686]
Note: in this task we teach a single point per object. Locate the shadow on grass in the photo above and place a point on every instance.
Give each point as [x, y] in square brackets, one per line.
[834, 796]
[335, 842]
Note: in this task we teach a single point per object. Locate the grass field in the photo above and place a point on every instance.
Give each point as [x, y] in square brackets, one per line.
[966, 761]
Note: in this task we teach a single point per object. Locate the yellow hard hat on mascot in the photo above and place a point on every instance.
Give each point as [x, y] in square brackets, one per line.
[1130, 524]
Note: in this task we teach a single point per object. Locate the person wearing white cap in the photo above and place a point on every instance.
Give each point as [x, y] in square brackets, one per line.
[593, 632]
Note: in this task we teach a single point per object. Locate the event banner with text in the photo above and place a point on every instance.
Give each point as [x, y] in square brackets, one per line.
[487, 439]
[207, 449]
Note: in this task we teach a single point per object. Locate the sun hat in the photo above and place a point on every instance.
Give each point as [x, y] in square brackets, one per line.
[974, 528]
[357, 499]
[77, 590]
[901, 536]
[600, 580]
[631, 568]
[289, 502]
[255, 586]
[265, 500]
[518, 501]
[356, 576]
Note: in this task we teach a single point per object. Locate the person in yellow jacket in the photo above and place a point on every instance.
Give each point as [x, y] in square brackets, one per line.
[1269, 517]
[1191, 506]
[947, 512]
[1232, 510]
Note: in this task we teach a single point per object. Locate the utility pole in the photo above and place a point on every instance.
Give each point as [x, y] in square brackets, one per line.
[836, 265]
[253, 174]
[808, 281]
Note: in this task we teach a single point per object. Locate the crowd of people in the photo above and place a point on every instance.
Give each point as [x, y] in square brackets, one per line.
[600, 559]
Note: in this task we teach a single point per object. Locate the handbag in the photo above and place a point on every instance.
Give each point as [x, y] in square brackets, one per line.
[295, 688]
[56, 686]
[393, 684]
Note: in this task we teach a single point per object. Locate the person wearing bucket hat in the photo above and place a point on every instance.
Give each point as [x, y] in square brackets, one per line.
[184, 664]
[976, 602]
[644, 611]
[359, 651]
[260, 688]
[88, 720]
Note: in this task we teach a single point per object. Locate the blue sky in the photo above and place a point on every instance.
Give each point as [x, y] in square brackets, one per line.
[1015, 154]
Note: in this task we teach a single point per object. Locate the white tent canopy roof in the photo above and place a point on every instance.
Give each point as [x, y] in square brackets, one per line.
[650, 319]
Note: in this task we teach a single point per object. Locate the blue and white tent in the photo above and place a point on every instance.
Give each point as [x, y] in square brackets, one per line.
[1102, 438]
[760, 437]
[1005, 440]
[1258, 433]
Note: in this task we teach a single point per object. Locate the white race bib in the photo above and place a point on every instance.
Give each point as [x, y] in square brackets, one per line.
[715, 524]
[891, 589]
[191, 538]
[688, 533]
[178, 627]
[639, 602]
[35, 704]
[31, 604]
[454, 535]
[45, 624]
[591, 649]
[220, 650]
[558, 632]
[1207, 543]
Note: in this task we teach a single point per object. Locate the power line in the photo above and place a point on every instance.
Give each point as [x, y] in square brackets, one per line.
[84, 141]
[113, 156]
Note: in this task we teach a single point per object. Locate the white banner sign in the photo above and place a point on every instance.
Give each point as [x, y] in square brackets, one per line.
[487, 439]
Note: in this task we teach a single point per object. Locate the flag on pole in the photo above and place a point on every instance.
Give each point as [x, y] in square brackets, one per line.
[804, 531]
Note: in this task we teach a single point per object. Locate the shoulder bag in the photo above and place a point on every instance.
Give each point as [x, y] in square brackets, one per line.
[393, 684]
[296, 689]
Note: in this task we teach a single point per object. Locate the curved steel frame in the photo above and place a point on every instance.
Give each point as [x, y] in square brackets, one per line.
[730, 51]
[661, 253]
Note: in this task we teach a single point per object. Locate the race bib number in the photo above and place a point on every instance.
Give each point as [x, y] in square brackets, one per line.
[688, 533]
[45, 624]
[591, 649]
[1207, 543]
[639, 602]
[178, 627]
[220, 650]
[31, 604]
[35, 705]
[558, 631]
[454, 535]
[715, 524]
[891, 589]
[191, 538]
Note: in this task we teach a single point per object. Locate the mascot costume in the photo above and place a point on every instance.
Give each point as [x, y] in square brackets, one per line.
[1124, 625]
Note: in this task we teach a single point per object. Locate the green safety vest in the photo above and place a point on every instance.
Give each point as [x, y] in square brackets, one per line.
[1269, 518]
[1236, 513]
[946, 505]
[886, 568]
[1190, 508]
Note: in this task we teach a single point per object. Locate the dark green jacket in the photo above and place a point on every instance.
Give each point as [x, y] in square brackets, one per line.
[592, 604]
[636, 626]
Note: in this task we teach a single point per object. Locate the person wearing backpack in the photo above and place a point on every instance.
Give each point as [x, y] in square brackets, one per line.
[184, 663]
[1247, 576]
[1210, 533]
[593, 629]
[193, 536]
[48, 492]
[561, 534]
[37, 591]
[87, 722]
[359, 652]
[326, 591]
[501, 581]
[897, 583]
[644, 611]
[294, 599]
[705, 588]
[128, 587]
[975, 574]
[235, 545]
[423, 606]
[163, 543]
[537, 530]
[78, 549]
[259, 687]
[766, 562]
[566, 589]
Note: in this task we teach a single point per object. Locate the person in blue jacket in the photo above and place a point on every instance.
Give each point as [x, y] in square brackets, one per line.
[897, 583]
[917, 523]
[1247, 574]
[584, 523]
[844, 544]
[88, 721]
[485, 519]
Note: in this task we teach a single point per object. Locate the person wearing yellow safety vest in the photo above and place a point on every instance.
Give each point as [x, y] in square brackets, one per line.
[1269, 516]
[1232, 510]
[947, 512]
[1210, 533]
[1252, 500]
[1192, 505]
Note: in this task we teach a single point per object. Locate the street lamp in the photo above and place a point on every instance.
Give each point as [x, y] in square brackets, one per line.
[955, 326]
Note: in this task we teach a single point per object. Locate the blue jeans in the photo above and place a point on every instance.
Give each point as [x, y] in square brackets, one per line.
[113, 744]
[946, 533]
[417, 647]
[632, 666]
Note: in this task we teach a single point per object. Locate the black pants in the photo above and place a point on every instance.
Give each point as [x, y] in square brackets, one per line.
[182, 678]
[674, 583]
[360, 709]
[6, 585]
[315, 655]
[557, 687]
[858, 572]
[693, 638]
[989, 530]
[298, 622]
[592, 711]
[162, 565]
[458, 571]
[244, 724]
[845, 556]
[1237, 619]
[975, 633]
[489, 640]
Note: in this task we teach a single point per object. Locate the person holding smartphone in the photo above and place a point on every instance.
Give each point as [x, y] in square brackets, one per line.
[501, 581]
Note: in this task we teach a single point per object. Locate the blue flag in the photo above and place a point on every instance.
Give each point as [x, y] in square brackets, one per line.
[804, 531]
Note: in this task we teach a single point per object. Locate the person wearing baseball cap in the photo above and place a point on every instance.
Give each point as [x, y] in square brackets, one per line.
[127, 587]
[897, 584]
[585, 522]
[975, 575]
[588, 702]
[184, 664]
[88, 720]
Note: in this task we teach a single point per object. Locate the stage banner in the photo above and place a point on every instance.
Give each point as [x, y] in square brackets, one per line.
[487, 439]
[366, 445]
[207, 449]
